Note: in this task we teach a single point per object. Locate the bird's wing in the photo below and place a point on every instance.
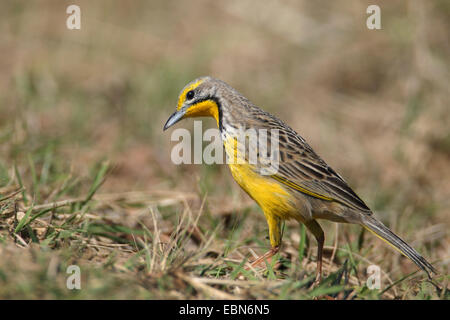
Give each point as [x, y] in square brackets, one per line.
[301, 169]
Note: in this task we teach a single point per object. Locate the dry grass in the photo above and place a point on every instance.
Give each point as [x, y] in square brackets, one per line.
[85, 175]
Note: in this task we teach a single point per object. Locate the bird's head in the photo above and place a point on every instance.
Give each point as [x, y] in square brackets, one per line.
[197, 99]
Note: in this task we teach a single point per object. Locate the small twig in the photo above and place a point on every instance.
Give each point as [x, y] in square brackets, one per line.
[333, 254]
[12, 194]
[239, 283]
[54, 205]
[210, 291]
[20, 239]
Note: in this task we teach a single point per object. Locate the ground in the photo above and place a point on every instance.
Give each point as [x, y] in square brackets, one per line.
[85, 171]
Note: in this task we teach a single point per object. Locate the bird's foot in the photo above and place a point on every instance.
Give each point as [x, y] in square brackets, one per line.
[266, 256]
[318, 280]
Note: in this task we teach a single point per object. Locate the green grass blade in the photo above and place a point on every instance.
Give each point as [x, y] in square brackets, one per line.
[19, 180]
[237, 270]
[34, 178]
[98, 181]
[22, 222]
[302, 245]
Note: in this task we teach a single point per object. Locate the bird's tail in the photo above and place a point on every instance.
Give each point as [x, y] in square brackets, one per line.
[381, 231]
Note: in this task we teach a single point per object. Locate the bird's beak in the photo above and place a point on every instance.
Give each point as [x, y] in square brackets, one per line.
[174, 118]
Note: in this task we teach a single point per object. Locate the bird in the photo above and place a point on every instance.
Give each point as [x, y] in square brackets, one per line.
[302, 187]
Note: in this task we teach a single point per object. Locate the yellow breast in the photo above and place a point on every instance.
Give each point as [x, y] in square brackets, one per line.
[270, 195]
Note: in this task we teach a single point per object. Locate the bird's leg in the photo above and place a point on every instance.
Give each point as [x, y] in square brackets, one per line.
[266, 256]
[317, 231]
[275, 235]
[319, 262]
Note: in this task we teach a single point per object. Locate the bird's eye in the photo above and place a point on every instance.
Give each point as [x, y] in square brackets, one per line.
[190, 95]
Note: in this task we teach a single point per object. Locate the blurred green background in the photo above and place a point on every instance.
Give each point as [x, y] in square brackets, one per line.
[373, 103]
